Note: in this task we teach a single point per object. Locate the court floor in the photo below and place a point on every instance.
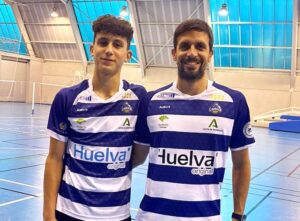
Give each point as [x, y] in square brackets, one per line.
[275, 184]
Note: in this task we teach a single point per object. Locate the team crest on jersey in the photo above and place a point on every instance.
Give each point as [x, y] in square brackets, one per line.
[126, 108]
[215, 108]
[166, 95]
[247, 130]
[63, 126]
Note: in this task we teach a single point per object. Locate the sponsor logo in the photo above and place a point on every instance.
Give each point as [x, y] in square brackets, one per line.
[79, 123]
[165, 107]
[204, 164]
[126, 108]
[215, 108]
[115, 159]
[217, 97]
[81, 109]
[247, 130]
[166, 95]
[163, 119]
[213, 127]
[127, 95]
[80, 120]
[62, 126]
[213, 123]
[126, 124]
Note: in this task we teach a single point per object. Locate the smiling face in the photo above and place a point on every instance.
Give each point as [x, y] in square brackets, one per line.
[192, 54]
[109, 52]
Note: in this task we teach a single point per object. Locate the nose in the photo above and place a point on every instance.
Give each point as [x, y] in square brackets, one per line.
[109, 49]
[192, 51]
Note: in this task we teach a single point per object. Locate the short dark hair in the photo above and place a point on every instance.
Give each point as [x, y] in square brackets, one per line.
[196, 25]
[113, 25]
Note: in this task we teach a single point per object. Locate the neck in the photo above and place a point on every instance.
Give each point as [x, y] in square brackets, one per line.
[105, 86]
[192, 87]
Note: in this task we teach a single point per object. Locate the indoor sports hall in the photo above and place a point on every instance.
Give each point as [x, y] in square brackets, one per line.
[45, 46]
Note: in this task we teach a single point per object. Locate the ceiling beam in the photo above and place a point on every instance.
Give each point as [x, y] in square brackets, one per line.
[76, 32]
[137, 35]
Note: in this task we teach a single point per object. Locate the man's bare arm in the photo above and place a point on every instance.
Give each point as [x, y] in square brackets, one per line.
[52, 177]
[241, 172]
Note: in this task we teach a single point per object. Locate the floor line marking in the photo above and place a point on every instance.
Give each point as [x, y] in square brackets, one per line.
[18, 183]
[19, 200]
[24, 148]
[16, 201]
[20, 157]
[263, 199]
[16, 191]
[269, 167]
[294, 170]
[21, 168]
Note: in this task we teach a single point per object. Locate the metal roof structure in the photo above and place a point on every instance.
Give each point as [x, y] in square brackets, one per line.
[252, 29]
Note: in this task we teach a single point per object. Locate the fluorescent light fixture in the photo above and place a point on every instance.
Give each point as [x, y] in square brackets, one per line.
[54, 13]
[124, 11]
[224, 10]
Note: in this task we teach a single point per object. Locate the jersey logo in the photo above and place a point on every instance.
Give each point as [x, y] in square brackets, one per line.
[63, 126]
[213, 124]
[127, 95]
[215, 108]
[126, 108]
[162, 118]
[166, 95]
[247, 130]
[213, 127]
[115, 159]
[203, 164]
[126, 123]
[163, 123]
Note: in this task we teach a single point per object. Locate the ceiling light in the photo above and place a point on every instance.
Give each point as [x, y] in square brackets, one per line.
[224, 10]
[124, 11]
[54, 13]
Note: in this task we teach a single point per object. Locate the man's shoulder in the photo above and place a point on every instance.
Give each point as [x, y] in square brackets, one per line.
[234, 94]
[152, 93]
[74, 89]
[137, 89]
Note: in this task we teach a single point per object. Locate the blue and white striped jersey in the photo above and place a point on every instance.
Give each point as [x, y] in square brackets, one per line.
[97, 164]
[189, 138]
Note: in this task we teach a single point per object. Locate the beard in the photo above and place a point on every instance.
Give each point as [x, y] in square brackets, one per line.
[191, 75]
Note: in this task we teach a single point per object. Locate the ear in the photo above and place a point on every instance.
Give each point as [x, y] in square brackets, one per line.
[210, 56]
[129, 55]
[174, 55]
[92, 49]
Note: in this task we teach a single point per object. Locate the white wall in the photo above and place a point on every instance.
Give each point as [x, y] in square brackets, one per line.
[265, 91]
[15, 72]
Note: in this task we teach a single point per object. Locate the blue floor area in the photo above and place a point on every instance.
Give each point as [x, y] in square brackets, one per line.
[275, 184]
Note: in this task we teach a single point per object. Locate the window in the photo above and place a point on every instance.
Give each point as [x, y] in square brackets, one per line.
[255, 34]
[11, 39]
[88, 11]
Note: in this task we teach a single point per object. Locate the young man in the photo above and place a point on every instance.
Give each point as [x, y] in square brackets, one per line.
[91, 125]
[190, 125]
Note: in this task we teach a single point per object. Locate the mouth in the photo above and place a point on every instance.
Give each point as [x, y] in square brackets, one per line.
[107, 59]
